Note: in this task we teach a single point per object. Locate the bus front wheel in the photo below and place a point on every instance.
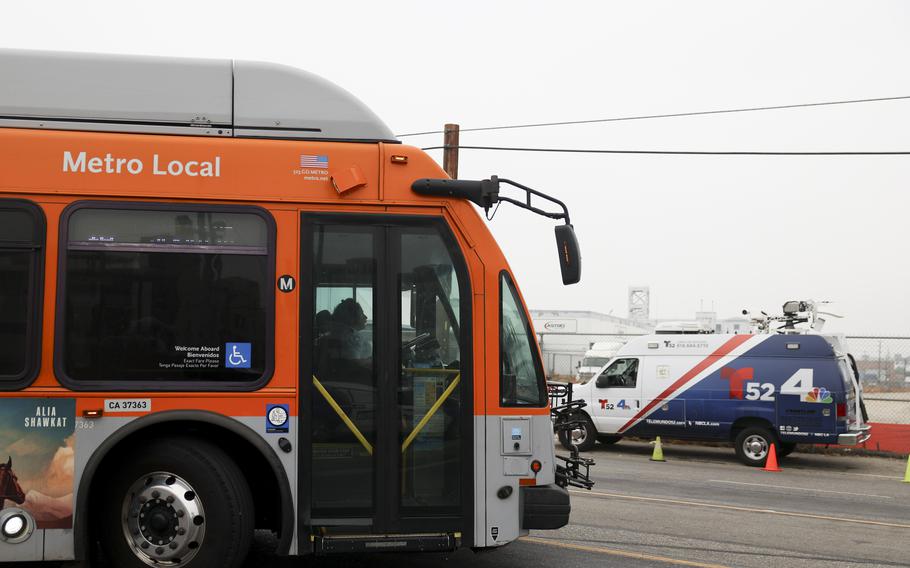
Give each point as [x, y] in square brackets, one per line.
[175, 502]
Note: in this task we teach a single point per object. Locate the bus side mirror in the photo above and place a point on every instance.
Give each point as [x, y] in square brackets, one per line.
[569, 254]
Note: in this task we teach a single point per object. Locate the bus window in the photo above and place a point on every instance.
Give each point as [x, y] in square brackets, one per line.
[166, 294]
[522, 380]
[22, 232]
[429, 393]
[344, 284]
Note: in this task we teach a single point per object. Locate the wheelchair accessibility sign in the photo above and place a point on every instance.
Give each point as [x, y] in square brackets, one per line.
[237, 355]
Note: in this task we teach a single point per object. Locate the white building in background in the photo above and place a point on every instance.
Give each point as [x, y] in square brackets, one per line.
[565, 335]
[737, 325]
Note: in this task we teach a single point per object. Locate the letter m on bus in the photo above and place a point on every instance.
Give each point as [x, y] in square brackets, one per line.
[286, 283]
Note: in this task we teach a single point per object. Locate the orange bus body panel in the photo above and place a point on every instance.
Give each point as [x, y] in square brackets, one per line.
[47, 168]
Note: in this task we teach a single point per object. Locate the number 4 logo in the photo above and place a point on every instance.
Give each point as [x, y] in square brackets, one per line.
[800, 383]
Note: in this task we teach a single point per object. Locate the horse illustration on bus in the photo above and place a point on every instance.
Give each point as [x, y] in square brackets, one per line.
[10, 490]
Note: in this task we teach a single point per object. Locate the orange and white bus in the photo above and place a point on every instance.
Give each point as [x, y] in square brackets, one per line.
[231, 300]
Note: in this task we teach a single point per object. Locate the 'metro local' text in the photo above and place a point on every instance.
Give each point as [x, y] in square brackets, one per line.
[109, 164]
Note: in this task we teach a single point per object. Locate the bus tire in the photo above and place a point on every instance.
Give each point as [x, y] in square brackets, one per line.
[752, 445]
[583, 438]
[608, 439]
[784, 449]
[175, 498]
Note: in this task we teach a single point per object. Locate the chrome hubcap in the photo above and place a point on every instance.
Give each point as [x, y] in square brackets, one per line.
[755, 447]
[163, 519]
[579, 436]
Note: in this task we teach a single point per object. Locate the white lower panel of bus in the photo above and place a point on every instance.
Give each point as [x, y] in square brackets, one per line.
[512, 443]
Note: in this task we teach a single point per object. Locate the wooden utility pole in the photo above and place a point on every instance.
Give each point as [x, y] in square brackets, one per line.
[450, 150]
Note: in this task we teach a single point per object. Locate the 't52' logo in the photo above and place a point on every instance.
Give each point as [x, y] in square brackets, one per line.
[742, 387]
[605, 404]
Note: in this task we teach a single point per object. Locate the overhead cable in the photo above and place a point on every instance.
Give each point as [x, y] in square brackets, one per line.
[679, 152]
[672, 115]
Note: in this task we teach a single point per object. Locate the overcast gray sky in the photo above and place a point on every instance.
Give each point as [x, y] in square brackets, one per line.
[733, 231]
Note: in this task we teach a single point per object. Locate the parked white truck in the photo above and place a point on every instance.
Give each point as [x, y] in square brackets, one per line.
[595, 358]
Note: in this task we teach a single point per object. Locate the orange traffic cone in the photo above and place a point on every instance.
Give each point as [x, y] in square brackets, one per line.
[771, 462]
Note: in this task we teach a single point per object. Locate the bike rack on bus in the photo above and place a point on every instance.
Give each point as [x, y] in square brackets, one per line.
[575, 470]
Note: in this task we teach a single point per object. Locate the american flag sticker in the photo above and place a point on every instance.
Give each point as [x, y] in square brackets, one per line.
[314, 161]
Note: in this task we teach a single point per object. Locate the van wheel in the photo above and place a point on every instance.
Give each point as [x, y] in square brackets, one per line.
[607, 439]
[584, 437]
[752, 445]
[784, 449]
[175, 502]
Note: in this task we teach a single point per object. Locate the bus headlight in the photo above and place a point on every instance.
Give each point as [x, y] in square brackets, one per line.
[16, 525]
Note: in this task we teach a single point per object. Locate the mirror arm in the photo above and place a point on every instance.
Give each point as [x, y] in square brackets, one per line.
[527, 204]
[485, 194]
[533, 209]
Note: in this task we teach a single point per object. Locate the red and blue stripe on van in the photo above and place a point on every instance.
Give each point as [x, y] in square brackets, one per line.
[742, 379]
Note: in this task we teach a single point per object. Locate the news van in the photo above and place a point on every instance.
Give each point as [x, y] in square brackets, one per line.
[754, 390]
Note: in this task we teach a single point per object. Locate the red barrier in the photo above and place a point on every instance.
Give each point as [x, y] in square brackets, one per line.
[889, 438]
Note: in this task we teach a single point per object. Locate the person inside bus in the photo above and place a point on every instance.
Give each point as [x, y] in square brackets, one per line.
[348, 320]
[323, 323]
[344, 351]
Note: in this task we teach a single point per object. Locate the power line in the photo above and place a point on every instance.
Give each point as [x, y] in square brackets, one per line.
[675, 152]
[673, 115]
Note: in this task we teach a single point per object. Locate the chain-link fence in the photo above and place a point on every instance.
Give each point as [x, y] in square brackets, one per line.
[883, 363]
[884, 369]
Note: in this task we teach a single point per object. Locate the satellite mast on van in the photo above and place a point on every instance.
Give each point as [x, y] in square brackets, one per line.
[794, 312]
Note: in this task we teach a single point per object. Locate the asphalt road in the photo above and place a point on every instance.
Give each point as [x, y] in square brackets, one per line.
[700, 508]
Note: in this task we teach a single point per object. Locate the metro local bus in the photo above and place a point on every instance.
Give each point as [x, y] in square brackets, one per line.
[232, 300]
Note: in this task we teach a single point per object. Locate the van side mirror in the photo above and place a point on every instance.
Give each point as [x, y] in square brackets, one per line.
[569, 254]
[602, 381]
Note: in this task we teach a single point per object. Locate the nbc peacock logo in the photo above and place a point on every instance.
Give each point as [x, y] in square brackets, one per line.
[819, 394]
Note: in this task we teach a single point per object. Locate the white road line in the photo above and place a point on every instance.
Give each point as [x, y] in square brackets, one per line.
[799, 488]
[866, 474]
[735, 508]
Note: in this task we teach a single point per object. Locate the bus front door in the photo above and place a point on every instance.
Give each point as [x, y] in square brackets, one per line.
[386, 439]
